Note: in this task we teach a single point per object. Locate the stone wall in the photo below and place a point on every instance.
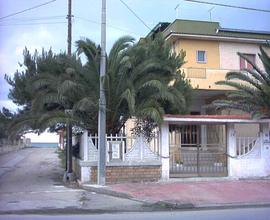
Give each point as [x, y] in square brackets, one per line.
[120, 174]
[9, 146]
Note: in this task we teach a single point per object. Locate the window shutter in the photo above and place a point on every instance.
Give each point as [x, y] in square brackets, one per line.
[252, 58]
[242, 63]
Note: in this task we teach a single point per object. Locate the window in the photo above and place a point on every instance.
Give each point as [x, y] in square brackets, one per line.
[201, 56]
[244, 64]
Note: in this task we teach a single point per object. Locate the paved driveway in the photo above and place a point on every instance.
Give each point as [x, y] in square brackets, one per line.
[31, 179]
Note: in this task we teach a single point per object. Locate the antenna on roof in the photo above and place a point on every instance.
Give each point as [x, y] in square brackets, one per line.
[210, 13]
[177, 10]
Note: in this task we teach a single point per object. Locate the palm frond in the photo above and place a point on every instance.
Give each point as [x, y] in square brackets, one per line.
[243, 77]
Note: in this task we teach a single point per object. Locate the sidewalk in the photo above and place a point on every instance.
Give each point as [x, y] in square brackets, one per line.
[196, 194]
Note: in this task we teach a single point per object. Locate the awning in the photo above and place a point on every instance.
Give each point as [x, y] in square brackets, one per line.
[212, 119]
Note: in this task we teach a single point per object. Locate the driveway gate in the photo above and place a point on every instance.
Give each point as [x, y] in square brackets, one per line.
[189, 157]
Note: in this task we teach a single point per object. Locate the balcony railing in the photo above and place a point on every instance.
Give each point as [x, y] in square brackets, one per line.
[203, 78]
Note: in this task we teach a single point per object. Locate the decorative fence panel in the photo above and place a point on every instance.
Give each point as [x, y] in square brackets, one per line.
[122, 148]
[244, 145]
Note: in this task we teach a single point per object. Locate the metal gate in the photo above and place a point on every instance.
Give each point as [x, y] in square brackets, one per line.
[196, 159]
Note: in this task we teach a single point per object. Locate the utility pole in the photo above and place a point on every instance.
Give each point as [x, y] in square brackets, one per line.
[101, 180]
[177, 10]
[69, 176]
[69, 37]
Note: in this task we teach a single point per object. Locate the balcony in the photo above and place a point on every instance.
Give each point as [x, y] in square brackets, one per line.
[202, 78]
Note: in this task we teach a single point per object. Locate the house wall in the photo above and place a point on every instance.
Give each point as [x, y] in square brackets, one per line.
[250, 130]
[229, 58]
[191, 47]
[221, 58]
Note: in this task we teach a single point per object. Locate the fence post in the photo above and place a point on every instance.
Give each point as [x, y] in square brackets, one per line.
[198, 159]
[165, 160]
[85, 146]
[231, 147]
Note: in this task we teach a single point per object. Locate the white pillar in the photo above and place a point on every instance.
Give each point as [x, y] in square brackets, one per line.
[203, 135]
[84, 154]
[203, 130]
[265, 147]
[264, 128]
[85, 145]
[165, 152]
[231, 147]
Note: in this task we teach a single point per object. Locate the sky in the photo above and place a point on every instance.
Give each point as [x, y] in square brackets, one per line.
[46, 27]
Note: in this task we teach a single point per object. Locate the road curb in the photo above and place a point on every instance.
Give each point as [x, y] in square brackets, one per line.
[190, 206]
[172, 205]
[159, 206]
[104, 190]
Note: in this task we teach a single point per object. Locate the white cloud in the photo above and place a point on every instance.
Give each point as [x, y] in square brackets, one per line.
[35, 40]
[12, 52]
[8, 104]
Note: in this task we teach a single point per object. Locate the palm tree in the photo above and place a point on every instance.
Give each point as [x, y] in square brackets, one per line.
[251, 89]
[116, 111]
[142, 80]
[154, 83]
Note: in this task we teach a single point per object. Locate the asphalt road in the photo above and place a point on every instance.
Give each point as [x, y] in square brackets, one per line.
[31, 180]
[231, 214]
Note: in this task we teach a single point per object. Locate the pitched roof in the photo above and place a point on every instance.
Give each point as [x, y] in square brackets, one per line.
[206, 28]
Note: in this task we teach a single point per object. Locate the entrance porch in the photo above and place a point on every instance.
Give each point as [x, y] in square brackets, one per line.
[214, 145]
[185, 146]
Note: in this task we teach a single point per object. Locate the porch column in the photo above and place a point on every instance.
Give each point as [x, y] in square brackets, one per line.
[231, 147]
[203, 135]
[203, 131]
[165, 152]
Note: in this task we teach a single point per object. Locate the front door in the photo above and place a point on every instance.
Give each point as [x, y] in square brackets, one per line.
[198, 150]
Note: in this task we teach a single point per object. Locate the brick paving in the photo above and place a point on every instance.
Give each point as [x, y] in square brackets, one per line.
[200, 193]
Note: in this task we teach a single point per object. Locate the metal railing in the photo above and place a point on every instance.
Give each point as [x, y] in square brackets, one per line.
[126, 143]
[244, 145]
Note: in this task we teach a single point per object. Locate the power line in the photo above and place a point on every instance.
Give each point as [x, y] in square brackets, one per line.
[86, 19]
[23, 24]
[229, 6]
[109, 25]
[28, 9]
[35, 18]
[135, 14]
